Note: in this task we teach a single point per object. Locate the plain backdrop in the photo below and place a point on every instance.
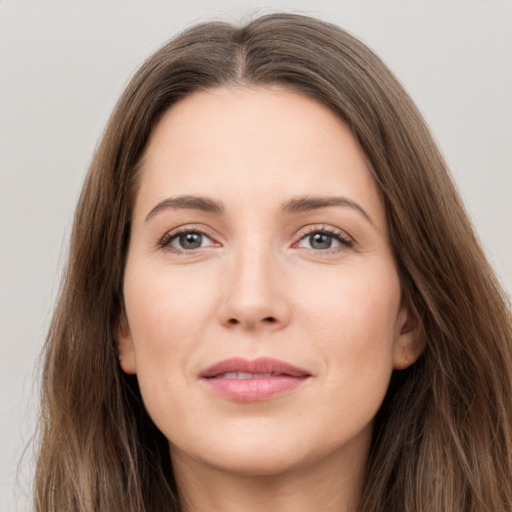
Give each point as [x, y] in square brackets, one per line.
[64, 64]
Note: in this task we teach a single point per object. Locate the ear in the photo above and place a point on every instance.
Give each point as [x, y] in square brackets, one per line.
[410, 338]
[125, 346]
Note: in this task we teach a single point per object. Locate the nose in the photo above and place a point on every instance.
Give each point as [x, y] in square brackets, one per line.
[254, 293]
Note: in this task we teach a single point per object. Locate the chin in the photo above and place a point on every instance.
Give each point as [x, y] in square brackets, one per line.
[243, 453]
[268, 452]
[257, 460]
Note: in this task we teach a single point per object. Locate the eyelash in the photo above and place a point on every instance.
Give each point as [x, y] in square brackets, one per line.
[339, 236]
[165, 242]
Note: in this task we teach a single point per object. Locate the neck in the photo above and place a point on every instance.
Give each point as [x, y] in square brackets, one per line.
[332, 485]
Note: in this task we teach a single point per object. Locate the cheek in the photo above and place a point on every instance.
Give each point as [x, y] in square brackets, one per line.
[167, 315]
[352, 301]
[353, 319]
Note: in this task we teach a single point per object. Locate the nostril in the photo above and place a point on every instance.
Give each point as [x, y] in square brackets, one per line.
[268, 320]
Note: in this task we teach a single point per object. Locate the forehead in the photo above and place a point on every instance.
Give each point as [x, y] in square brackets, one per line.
[266, 141]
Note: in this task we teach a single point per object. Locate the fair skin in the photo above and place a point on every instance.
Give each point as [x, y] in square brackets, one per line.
[258, 269]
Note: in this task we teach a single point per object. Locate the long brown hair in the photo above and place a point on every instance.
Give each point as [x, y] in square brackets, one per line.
[443, 436]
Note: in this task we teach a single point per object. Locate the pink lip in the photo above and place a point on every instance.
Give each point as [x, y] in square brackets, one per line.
[284, 377]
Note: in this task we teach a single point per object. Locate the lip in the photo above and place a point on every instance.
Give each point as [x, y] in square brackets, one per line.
[271, 377]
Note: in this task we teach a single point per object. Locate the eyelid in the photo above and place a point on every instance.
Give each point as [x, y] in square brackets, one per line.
[165, 241]
[345, 240]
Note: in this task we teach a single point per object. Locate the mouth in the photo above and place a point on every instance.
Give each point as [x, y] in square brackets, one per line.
[252, 381]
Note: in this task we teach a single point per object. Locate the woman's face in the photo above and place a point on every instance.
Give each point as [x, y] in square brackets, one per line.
[263, 307]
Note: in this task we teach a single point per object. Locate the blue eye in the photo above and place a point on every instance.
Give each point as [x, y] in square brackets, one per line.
[321, 240]
[187, 241]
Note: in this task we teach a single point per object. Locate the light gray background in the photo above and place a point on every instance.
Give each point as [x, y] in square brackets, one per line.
[64, 64]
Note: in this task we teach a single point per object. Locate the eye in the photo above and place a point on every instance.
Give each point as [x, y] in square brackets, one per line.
[185, 241]
[323, 240]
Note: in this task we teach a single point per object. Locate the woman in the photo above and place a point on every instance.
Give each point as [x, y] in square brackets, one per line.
[274, 298]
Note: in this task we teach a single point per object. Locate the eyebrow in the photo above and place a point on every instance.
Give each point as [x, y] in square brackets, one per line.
[292, 206]
[308, 203]
[203, 204]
